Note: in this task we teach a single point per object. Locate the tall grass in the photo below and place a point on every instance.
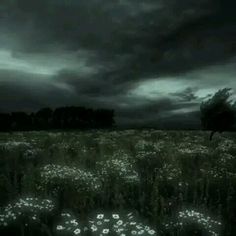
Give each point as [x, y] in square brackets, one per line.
[171, 183]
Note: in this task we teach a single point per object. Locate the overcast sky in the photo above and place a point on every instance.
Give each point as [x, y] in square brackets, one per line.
[153, 61]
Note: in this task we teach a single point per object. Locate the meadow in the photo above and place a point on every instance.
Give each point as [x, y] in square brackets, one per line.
[130, 182]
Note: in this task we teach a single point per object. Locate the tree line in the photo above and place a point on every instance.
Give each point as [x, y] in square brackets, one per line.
[218, 114]
[61, 118]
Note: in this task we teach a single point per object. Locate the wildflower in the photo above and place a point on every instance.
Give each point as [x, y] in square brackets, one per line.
[115, 216]
[151, 232]
[119, 222]
[60, 227]
[94, 228]
[105, 231]
[100, 216]
[77, 231]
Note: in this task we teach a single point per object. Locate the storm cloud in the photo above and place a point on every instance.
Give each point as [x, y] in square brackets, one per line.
[152, 61]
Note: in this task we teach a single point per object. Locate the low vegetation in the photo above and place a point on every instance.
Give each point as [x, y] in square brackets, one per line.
[132, 182]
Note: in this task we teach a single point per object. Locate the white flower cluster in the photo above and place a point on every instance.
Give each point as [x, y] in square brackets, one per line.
[115, 224]
[146, 155]
[53, 135]
[62, 145]
[218, 173]
[226, 159]
[143, 144]
[14, 145]
[81, 180]
[69, 225]
[226, 145]
[105, 140]
[159, 146]
[121, 154]
[119, 169]
[123, 133]
[193, 149]
[169, 172]
[190, 216]
[28, 207]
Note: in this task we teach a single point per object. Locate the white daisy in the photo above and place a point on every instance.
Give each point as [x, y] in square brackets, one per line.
[77, 231]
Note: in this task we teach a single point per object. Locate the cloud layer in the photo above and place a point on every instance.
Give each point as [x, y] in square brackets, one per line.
[152, 61]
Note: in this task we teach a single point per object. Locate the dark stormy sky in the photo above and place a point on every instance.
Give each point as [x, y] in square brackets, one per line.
[153, 61]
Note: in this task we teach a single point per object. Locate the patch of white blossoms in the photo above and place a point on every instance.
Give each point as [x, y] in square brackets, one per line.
[193, 149]
[117, 224]
[69, 225]
[226, 145]
[14, 145]
[218, 173]
[226, 158]
[61, 176]
[28, 207]
[168, 172]
[144, 145]
[146, 156]
[190, 216]
[159, 146]
[119, 169]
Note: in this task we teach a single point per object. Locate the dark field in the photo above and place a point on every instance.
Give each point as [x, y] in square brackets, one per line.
[133, 182]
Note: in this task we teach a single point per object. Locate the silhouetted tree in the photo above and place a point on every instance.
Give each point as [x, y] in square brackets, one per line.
[218, 113]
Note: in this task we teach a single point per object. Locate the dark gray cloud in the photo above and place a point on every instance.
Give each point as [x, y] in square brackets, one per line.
[97, 52]
[161, 114]
[23, 91]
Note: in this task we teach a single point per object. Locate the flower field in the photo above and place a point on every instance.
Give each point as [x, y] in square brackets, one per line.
[130, 182]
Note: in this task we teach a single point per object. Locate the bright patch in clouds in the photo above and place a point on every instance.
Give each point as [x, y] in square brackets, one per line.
[203, 83]
[205, 92]
[184, 110]
[153, 89]
[49, 64]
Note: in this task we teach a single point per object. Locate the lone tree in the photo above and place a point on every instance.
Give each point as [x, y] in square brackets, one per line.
[218, 113]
